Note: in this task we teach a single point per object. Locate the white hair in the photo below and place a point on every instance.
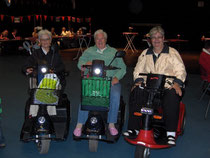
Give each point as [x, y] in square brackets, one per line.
[99, 32]
[44, 32]
[156, 29]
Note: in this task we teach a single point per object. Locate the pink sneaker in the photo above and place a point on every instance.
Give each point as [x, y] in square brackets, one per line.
[113, 131]
[77, 132]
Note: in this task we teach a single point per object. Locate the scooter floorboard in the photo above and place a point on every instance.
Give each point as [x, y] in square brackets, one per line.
[105, 138]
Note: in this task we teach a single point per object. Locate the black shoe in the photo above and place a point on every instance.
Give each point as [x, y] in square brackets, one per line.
[131, 132]
[171, 140]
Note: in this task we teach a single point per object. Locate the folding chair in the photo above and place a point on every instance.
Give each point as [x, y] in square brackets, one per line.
[206, 89]
[204, 84]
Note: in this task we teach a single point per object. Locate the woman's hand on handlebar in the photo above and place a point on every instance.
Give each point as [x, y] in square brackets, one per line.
[51, 71]
[115, 80]
[177, 89]
[135, 85]
[29, 70]
[89, 63]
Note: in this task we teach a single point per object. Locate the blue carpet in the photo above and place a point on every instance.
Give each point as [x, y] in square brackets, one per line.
[195, 143]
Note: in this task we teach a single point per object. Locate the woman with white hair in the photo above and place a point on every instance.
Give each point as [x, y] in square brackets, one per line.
[102, 51]
[46, 54]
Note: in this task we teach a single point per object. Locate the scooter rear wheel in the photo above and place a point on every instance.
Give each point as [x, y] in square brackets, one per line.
[93, 143]
[142, 152]
[44, 145]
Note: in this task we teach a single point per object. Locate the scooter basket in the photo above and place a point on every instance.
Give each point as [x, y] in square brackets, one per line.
[47, 91]
[45, 96]
[95, 93]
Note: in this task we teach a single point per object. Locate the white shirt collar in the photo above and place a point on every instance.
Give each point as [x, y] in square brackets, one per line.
[100, 50]
[45, 52]
[156, 54]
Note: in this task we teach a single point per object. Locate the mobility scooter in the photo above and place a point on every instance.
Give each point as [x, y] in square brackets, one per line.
[152, 134]
[95, 97]
[47, 112]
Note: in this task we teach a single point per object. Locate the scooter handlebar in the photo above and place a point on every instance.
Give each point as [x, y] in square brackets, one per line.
[111, 68]
[147, 74]
[105, 67]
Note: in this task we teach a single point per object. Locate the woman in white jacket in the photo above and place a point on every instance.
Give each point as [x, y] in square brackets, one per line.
[159, 59]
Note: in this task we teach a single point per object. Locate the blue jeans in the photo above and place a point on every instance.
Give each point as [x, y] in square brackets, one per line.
[114, 106]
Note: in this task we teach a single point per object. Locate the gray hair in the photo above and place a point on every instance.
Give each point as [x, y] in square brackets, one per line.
[156, 29]
[44, 32]
[100, 31]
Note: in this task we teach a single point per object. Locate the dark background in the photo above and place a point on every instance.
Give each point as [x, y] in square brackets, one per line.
[182, 17]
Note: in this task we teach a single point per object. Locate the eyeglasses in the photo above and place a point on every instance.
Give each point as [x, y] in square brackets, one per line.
[158, 37]
[44, 39]
[99, 39]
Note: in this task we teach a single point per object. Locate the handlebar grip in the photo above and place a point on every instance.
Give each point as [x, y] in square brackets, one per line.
[111, 68]
[86, 66]
[143, 74]
[170, 77]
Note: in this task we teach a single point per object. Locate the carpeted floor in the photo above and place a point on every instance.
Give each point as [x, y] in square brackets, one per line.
[195, 143]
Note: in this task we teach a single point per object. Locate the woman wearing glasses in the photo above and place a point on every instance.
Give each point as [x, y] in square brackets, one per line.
[159, 58]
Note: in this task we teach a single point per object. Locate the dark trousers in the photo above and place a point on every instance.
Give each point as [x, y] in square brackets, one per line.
[170, 103]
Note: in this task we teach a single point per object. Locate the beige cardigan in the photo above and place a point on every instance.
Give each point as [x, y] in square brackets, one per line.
[169, 63]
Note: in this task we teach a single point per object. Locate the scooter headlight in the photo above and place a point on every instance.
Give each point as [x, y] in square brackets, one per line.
[41, 120]
[43, 69]
[93, 120]
[97, 68]
[97, 71]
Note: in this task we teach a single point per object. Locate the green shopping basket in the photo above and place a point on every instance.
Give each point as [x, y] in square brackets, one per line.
[95, 93]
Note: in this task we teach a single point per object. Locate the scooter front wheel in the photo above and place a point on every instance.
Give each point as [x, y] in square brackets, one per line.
[142, 152]
[44, 145]
[93, 143]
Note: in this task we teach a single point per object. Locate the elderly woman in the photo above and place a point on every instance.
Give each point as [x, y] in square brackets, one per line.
[159, 59]
[46, 54]
[103, 51]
